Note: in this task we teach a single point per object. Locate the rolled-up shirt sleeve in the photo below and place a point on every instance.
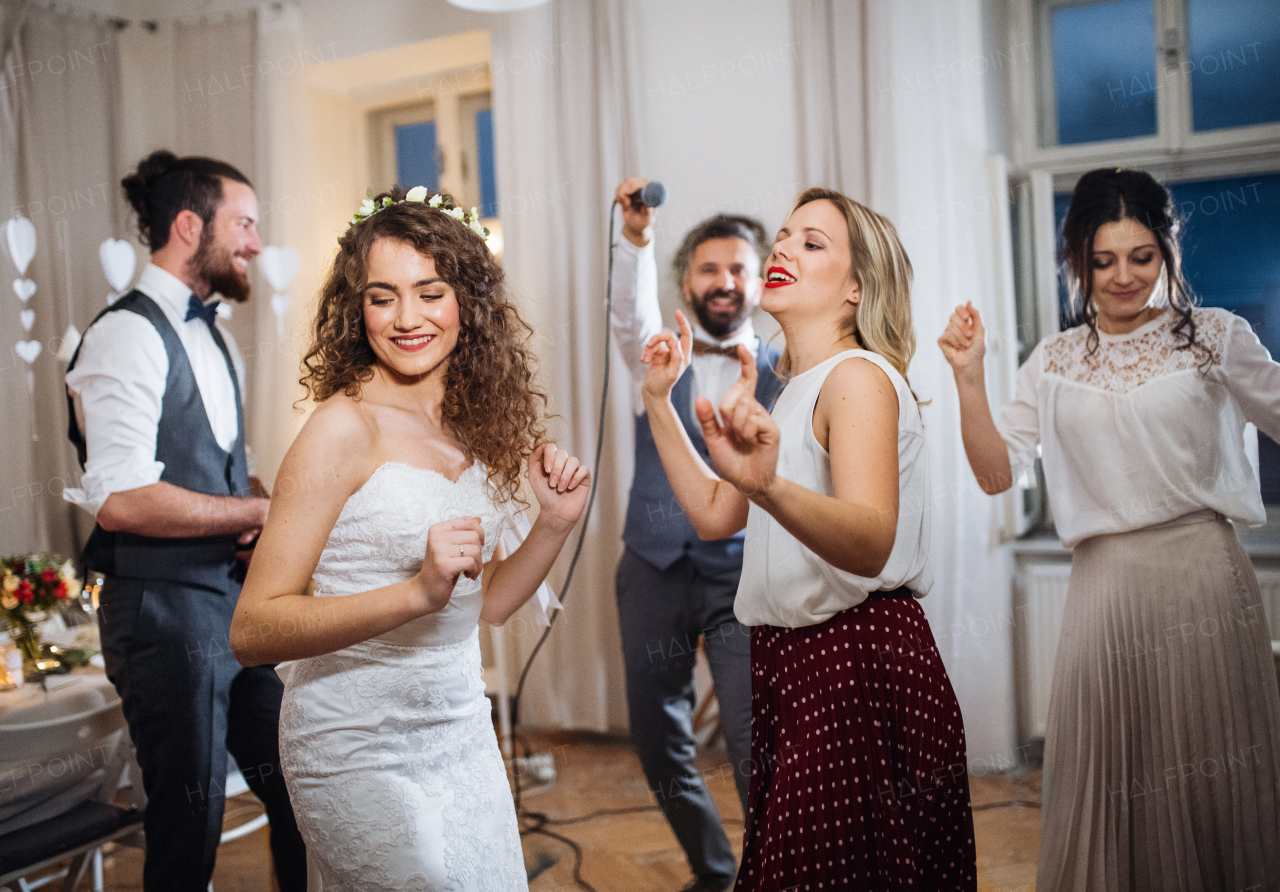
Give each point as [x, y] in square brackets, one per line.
[117, 390]
[1020, 418]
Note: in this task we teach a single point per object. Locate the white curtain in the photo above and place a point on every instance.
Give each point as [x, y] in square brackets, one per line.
[58, 109]
[563, 120]
[82, 102]
[891, 101]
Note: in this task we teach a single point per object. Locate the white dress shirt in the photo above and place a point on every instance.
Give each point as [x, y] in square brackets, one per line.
[1138, 432]
[118, 384]
[636, 317]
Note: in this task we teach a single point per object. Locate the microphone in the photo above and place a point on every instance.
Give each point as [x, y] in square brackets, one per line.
[652, 195]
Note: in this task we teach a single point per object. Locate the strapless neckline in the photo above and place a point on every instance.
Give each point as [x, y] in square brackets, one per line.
[401, 464]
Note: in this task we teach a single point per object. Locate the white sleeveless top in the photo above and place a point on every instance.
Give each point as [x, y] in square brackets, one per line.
[783, 582]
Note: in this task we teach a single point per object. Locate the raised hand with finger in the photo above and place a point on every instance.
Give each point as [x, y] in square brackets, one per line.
[743, 442]
[454, 548]
[560, 483]
[667, 357]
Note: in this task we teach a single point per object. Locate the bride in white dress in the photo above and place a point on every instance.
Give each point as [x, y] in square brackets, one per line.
[391, 501]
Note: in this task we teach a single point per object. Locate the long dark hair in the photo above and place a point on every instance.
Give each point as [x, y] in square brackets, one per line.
[491, 403]
[1109, 195]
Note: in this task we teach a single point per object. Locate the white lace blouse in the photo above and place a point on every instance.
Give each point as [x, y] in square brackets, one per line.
[1137, 433]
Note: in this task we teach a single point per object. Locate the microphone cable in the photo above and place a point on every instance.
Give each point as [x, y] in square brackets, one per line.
[591, 499]
[539, 821]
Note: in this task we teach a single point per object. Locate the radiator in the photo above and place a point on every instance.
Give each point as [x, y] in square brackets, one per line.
[1042, 591]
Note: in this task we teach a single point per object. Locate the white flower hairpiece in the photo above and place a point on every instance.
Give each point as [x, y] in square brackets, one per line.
[371, 206]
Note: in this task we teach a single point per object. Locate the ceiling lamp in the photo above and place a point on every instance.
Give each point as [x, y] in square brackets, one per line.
[497, 5]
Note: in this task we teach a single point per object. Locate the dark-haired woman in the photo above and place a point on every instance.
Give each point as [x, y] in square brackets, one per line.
[391, 500]
[1162, 752]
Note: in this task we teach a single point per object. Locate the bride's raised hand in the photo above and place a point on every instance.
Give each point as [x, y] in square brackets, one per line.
[454, 548]
[667, 357]
[560, 483]
[744, 448]
[964, 342]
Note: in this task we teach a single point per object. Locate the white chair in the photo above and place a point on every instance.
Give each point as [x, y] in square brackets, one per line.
[95, 741]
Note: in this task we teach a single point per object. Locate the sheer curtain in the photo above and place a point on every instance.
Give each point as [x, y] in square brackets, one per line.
[81, 103]
[564, 117]
[890, 97]
[58, 110]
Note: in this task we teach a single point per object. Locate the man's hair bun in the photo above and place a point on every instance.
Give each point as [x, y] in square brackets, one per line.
[164, 185]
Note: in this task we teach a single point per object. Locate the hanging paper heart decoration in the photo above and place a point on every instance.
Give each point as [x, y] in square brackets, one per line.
[28, 319]
[118, 262]
[279, 265]
[70, 341]
[280, 304]
[24, 288]
[20, 235]
[28, 350]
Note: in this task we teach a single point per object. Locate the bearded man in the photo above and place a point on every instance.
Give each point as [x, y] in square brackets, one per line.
[156, 414]
[673, 589]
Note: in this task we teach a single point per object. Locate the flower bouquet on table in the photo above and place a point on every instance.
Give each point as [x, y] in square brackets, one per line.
[32, 589]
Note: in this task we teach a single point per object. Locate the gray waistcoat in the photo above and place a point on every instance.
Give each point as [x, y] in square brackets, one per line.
[192, 460]
[657, 528]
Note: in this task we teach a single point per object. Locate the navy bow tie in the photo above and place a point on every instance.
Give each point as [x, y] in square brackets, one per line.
[196, 309]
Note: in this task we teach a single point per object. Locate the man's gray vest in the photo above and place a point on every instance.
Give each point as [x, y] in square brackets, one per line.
[192, 460]
[657, 528]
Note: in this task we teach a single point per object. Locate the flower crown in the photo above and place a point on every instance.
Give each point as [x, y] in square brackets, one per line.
[444, 205]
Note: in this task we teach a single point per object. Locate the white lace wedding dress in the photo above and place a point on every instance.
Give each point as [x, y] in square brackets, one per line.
[387, 746]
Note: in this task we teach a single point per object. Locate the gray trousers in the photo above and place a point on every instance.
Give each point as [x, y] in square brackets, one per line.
[662, 614]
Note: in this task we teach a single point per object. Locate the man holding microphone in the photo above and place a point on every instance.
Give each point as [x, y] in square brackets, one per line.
[672, 588]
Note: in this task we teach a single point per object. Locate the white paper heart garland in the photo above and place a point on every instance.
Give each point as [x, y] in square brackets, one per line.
[70, 343]
[20, 238]
[28, 350]
[119, 260]
[279, 264]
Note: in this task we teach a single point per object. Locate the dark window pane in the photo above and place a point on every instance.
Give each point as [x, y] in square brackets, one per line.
[1104, 70]
[416, 155]
[484, 148]
[1231, 258]
[1234, 61]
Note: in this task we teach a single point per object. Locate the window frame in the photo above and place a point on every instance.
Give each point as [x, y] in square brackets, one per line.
[456, 154]
[1036, 173]
[1031, 100]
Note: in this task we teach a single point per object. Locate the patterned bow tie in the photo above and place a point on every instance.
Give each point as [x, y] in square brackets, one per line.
[703, 348]
[196, 309]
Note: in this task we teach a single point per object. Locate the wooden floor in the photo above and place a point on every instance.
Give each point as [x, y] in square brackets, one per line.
[636, 852]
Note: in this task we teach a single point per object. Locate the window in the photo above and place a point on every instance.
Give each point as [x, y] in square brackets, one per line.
[444, 143]
[1103, 71]
[1186, 89]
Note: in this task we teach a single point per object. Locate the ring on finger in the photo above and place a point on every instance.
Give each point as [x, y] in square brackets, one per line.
[462, 551]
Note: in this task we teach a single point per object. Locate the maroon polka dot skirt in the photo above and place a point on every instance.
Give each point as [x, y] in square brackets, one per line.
[859, 776]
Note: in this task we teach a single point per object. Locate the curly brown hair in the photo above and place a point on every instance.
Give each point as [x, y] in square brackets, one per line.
[490, 401]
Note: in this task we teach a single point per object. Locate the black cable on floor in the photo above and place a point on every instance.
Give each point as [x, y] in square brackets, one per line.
[1012, 803]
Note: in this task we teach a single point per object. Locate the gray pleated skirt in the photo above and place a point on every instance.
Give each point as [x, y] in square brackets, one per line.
[1162, 752]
